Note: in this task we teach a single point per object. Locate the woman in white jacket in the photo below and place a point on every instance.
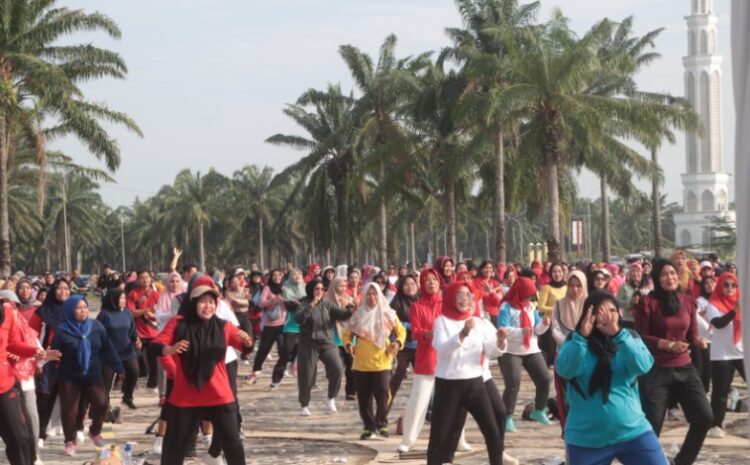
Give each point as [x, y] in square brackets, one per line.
[462, 341]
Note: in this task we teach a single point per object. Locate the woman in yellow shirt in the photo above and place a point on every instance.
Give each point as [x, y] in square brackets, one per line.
[548, 296]
[374, 337]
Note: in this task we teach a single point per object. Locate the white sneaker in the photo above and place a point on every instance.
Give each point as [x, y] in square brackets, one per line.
[403, 448]
[716, 432]
[673, 414]
[331, 405]
[80, 437]
[215, 460]
[509, 459]
[465, 447]
[38, 462]
[157, 445]
[304, 412]
[40, 443]
[207, 439]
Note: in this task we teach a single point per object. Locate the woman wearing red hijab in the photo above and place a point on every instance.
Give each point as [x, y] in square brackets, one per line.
[447, 270]
[524, 323]
[726, 345]
[462, 341]
[312, 272]
[489, 289]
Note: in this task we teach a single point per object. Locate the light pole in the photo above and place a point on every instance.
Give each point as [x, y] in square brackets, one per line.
[122, 243]
[520, 231]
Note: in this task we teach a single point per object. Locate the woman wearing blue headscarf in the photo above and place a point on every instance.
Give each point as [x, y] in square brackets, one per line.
[84, 345]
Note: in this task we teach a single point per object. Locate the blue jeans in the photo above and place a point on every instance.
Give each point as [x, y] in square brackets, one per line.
[643, 450]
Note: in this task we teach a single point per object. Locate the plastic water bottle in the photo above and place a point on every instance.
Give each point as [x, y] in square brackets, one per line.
[734, 398]
[127, 454]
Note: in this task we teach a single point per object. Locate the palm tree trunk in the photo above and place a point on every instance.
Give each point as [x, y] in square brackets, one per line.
[342, 236]
[553, 242]
[413, 246]
[4, 198]
[451, 192]
[201, 250]
[605, 220]
[656, 200]
[383, 225]
[499, 219]
[260, 243]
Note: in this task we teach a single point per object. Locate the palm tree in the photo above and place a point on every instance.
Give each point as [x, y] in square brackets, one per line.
[330, 125]
[191, 202]
[481, 47]
[385, 89]
[39, 78]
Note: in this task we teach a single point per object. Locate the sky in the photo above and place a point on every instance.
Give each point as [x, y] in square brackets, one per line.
[208, 79]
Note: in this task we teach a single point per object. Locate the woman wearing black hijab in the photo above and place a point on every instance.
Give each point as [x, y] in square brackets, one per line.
[601, 362]
[45, 321]
[666, 320]
[197, 340]
[120, 326]
[406, 294]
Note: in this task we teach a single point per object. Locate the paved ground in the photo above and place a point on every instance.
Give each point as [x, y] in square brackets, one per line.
[277, 435]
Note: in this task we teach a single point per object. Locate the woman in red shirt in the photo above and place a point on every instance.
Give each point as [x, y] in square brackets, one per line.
[142, 303]
[490, 290]
[198, 339]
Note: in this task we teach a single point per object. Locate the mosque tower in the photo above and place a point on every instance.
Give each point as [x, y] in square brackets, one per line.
[705, 183]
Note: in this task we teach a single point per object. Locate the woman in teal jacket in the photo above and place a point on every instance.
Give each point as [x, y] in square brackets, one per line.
[602, 362]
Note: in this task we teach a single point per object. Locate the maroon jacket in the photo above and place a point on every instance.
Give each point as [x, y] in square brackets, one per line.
[652, 325]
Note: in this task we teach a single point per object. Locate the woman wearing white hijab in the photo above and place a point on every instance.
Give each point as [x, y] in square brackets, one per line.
[373, 351]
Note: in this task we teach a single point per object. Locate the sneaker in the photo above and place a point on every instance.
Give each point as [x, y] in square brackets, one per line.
[98, 440]
[331, 405]
[242, 432]
[509, 459]
[206, 438]
[158, 442]
[252, 378]
[131, 405]
[403, 448]
[315, 387]
[70, 448]
[40, 443]
[383, 432]
[274, 385]
[366, 434]
[673, 414]
[464, 446]
[716, 432]
[304, 412]
[351, 397]
[38, 462]
[80, 437]
[215, 460]
[509, 426]
[540, 416]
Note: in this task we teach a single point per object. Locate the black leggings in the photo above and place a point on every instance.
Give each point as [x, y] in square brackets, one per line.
[288, 352]
[131, 377]
[722, 372]
[403, 360]
[683, 384]
[181, 422]
[70, 398]
[267, 339]
[45, 403]
[372, 385]
[347, 360]
[147, 361]
[247, 326]
[14, 429]
[452, 399]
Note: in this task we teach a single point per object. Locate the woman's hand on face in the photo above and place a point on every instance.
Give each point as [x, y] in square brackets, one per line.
[178, 348]
[589, 319]
[608, 323]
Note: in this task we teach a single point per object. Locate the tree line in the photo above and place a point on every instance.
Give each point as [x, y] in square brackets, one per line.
[470, 149]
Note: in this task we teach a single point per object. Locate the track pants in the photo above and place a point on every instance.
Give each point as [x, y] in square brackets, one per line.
[14, 429]
[182, 421]
[722, 373]
[536, 367]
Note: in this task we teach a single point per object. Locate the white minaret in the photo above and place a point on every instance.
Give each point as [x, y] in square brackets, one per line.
[706, 185]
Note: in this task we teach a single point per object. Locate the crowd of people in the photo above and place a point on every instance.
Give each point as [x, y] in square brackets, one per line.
[624, 346]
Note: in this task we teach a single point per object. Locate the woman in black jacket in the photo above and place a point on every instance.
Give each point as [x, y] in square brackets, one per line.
[317, 319]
